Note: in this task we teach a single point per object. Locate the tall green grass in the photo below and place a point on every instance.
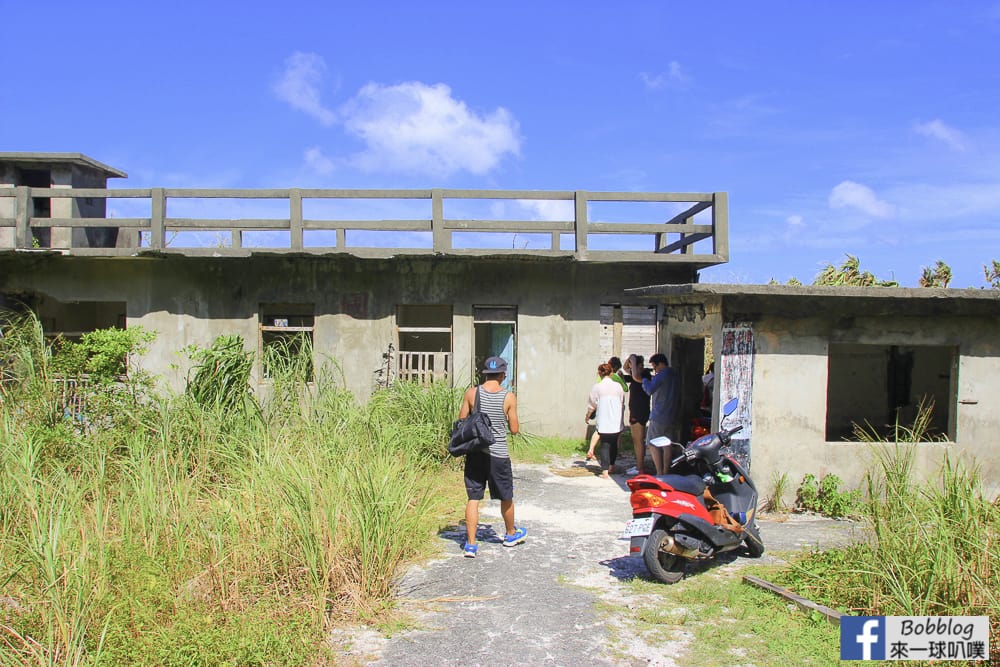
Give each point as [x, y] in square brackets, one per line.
[206, 529]
[934, 546]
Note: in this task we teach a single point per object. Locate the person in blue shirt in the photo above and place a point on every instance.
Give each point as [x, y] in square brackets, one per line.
[664, 391]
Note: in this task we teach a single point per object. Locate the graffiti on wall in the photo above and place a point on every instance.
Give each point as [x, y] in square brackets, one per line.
[735, 380]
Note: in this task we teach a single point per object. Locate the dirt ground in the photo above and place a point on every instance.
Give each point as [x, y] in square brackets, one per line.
[537, 603]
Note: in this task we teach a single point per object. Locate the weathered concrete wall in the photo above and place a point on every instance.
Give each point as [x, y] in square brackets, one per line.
[189, 301]
[790, 400]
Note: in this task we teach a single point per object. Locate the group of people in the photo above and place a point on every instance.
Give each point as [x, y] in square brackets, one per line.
[653, 400]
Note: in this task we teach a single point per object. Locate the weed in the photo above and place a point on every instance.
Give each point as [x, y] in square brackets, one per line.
[825, 497]
[731, 623]
[205, 528]
[776, 502]
[933, 545]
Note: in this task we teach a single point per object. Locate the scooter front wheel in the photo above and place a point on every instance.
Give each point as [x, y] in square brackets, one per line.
[752, 541]
[664, 566]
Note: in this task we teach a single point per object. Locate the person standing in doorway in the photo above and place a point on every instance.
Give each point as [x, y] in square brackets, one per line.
[492, 468]
[607, 401]
[664, 394]
[638, 410]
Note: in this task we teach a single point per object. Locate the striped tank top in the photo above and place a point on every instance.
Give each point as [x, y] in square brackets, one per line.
[492, 404]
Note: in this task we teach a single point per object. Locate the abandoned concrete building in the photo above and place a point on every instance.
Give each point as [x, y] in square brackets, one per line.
[424, 284]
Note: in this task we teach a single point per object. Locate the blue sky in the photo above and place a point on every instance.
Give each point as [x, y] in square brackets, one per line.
[868, 128]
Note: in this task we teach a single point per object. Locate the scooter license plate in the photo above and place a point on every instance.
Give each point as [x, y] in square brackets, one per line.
[638, 527]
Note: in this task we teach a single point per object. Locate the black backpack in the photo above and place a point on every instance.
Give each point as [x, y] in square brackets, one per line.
[471, 434]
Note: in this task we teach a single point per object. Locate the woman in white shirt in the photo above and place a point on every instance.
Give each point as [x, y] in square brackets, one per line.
[607, 401]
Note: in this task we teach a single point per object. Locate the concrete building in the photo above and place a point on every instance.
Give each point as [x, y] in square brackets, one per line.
[421, 284]
[425, 284]
[807, 363]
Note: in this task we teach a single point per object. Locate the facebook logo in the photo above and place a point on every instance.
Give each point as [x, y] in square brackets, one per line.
[862, 637]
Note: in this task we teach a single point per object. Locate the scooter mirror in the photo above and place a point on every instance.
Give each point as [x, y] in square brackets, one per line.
[662, 441]
[730, 407]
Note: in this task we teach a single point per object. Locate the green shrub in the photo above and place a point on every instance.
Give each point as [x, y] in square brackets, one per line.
[825, 497]
[220, 377]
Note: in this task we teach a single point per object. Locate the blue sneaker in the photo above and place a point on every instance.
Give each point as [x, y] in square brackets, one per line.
[516, 538]
[470, 550]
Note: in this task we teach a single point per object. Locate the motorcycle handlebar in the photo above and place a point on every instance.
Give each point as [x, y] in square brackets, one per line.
[726, 434]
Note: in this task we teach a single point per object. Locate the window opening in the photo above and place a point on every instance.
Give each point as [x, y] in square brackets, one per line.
[878, 386]
[285, 340]
[628, 330]
[41, 206]
[495, 333]
[424, 336]
[66, 322]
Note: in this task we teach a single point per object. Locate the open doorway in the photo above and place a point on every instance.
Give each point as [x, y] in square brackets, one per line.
[688, 357]
[495, 333]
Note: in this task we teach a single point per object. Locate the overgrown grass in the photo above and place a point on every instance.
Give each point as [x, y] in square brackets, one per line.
[729, 623]
[934, 547]
[202, 530]
[529, 448]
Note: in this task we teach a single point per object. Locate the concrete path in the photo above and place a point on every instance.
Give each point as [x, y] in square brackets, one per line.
[537, 603]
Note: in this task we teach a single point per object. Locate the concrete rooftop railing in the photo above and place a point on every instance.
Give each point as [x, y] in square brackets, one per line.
[686, 227]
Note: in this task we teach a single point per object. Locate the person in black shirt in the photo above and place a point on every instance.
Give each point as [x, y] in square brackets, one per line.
[638, 407]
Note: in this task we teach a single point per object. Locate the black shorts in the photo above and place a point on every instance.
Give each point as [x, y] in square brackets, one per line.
[482, 470]
[638, 418]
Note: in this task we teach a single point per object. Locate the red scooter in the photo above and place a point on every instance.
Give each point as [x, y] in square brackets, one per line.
[708, 506]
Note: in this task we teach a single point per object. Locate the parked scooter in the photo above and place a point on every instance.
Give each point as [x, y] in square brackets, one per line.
[708, 506]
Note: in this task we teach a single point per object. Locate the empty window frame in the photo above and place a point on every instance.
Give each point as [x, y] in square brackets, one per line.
[878, 386]
[495, 335]
[424, 349]
[285, 340]
[628, 330]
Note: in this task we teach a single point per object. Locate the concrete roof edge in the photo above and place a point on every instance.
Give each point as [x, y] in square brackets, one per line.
[814, 291]
[76, 158]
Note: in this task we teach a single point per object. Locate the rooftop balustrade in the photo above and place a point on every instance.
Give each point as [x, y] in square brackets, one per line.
[587, 226]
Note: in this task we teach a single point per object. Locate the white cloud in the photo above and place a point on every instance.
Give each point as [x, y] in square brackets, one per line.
[299, 86]
[548, 209]
[795, 221]
[421, 128]
[937, 129]
[933, 203]
[318, 162]
[674, 75]
[849, 194]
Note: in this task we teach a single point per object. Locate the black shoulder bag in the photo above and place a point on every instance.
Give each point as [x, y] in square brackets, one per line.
[471, 434]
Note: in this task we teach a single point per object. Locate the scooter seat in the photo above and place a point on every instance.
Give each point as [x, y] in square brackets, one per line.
[692, 484]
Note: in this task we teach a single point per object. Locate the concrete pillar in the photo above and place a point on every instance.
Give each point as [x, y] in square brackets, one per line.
[8, 207]
[62, 207]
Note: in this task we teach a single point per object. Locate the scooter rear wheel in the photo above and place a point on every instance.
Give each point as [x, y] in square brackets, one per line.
[664, 566]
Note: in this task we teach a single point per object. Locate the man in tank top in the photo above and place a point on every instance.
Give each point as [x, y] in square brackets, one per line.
[491, 469]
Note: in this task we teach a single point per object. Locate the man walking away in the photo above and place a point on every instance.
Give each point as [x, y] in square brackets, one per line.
[491, 468]
[664, 400]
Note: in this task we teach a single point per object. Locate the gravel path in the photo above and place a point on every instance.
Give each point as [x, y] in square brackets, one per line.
[537, 603]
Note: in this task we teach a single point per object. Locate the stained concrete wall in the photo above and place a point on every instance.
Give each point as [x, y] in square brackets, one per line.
[790, 391]
[189, 301]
